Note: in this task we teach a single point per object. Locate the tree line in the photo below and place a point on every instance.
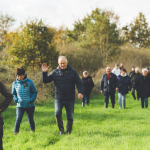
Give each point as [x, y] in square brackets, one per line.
[94, 41]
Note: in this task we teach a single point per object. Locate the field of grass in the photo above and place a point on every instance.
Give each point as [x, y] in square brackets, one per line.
[94, 128]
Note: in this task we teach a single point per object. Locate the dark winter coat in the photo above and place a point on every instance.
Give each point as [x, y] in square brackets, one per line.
[87, 84]
[64, 80]
[130, 73]
[109, 86]
[124, 84]
[142, 85]
[134, 78]
[8, 97]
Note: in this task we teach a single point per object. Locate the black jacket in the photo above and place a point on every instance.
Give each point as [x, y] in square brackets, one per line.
[124, 84]
[8, 97]
[134, 78]
[64, 80]
[111, 87]
[142, 85]
[87, 84]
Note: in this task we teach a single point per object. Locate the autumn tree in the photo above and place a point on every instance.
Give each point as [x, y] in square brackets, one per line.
[31, 45]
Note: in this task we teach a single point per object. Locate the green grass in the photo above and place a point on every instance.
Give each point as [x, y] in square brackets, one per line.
[94, 128]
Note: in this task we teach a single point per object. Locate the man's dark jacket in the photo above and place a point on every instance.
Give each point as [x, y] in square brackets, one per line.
[5, 103]
[124, 84]
[64, 80]
[109, 86]
[134, 78]
[87, 84]
[142, 85]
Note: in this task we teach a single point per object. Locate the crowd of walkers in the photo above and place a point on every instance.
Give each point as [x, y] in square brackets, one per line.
[65, 78]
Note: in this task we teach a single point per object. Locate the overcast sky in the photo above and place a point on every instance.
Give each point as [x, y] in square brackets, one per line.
[64, 12]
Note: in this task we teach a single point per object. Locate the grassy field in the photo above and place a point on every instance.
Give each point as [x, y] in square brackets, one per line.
[95, 128]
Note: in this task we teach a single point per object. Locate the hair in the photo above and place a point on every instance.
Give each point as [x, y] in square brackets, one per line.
[108, 67]
[133, 67]
[124, 70]
[85, 72]
[137, 68]
[62, 57]
[20, 71]
[144, 69]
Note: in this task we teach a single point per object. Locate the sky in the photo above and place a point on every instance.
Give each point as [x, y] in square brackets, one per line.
[56, 13]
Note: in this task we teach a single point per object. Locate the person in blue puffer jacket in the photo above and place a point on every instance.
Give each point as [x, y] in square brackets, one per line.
[24, 94]
[124, 85]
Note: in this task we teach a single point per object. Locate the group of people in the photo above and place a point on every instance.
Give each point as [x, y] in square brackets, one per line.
[65, 78]
[118, 80]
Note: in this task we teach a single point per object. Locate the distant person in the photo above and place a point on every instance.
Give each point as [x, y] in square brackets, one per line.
[142, 85]
[132, 70]
[65, 78]
[87, 86]
[24, 93]
[121, 66]
[5, 103]
[134, 76]
[123, 86]
[116, 70]
[108, 84]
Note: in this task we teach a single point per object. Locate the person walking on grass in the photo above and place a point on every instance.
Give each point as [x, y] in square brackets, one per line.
[121, 66]
[134, 76]
[124, 85]
[132, 70]
[65, 78]
[142, 85]
[3, 105]
[24, 94]
[108, 83]
[116, 70]
[87, 86]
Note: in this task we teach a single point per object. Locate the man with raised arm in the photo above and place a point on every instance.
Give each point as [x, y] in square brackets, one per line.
[108, 84]
[65, 78]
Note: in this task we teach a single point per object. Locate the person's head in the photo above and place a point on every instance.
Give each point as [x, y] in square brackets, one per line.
[62, 61]
[123, 71]
[85, 74]
[20, 73]
[144, 72]
[121, 65]
[136, 70]
[116, 66]
[133, 68]
[108, 70]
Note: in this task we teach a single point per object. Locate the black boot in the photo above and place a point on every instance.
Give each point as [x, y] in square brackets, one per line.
[106, 105]
[59, 122]
[69, 127]
[113, 105]
[142, 104]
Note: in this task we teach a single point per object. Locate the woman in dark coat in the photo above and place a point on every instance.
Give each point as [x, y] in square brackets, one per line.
[142, 86]
[124, 85]
[87, 86]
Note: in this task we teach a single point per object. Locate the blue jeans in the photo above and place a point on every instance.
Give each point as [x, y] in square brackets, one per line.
[112, 96]
[146, 102]
[69, 106]
[86, 97]
[122, 100]
[19, 114]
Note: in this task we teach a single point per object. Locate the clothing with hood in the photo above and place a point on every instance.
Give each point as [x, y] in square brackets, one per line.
[64, 80]
[116, 71]
[142, 85]
[124, 84]
[24, 93]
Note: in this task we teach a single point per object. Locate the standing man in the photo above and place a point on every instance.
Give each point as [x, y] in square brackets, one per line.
[132, 70]
[8, 97]
[108, 82]
[134, 76]
[116, 70]
[65, 78]
[121, 66]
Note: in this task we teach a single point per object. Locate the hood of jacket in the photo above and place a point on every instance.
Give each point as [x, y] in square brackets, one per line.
[124, 75]
[67, 69]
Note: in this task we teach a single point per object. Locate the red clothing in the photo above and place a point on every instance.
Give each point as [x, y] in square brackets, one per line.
[108, 76]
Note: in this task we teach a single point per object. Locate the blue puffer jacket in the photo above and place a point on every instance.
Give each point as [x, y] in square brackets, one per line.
[64, 80]
[24, 93]
[124, 84]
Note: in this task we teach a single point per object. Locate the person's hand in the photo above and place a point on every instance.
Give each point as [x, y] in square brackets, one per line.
[80, 96]
[117, 89]
[44, 67]
[101, 92]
